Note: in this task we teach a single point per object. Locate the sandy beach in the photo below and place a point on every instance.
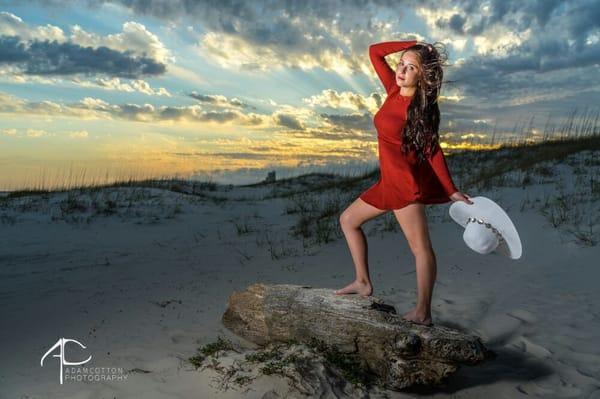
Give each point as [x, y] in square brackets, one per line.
[141, 277]
[174, 177]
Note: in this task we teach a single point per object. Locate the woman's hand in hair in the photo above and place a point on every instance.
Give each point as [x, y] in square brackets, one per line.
[458, 196]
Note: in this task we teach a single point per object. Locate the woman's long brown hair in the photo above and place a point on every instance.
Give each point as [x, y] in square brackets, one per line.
[421, 132]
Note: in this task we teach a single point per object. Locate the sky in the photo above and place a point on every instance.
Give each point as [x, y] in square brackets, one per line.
[228, 90]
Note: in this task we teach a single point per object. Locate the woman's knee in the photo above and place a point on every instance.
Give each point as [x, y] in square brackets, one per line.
[347, 220]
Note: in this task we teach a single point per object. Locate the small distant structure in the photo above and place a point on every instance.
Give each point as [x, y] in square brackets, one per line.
[270, 177]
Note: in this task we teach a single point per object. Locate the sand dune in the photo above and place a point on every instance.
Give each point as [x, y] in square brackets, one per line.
[141, 277]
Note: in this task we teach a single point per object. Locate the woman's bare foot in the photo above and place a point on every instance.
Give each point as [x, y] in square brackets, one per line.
[362, 288]
[418, 318]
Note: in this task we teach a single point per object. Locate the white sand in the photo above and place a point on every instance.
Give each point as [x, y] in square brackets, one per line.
[102, 282]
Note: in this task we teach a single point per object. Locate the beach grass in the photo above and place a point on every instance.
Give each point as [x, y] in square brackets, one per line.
[317, 199]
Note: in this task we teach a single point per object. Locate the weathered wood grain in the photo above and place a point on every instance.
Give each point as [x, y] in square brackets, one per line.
[399, 352]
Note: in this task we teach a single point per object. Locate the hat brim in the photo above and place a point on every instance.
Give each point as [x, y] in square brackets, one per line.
[486, 209]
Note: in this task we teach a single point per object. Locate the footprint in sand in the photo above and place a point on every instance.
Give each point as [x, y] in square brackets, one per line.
[499, 328]
[523, 315]
[552, 386]
[532, 348]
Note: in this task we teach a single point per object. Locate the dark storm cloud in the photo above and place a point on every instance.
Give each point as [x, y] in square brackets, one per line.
[583, 18]
[471, 20]
[289, 121]
[350, 121]
[204, 98]
[546, 113]
[557, 56]
[145, 112]
[53, 58]
[487, 77]
[268, 21]
[221, 117]
[225, 15]
[455, 23]
[171, 113]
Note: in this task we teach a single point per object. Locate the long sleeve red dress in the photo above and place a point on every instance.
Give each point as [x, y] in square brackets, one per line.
[402, 180]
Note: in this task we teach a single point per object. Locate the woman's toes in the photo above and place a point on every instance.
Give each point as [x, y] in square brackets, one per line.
[355, 288]
[349, 289]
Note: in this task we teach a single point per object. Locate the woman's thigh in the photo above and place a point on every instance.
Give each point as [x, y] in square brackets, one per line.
[413, 222]
[359, 212]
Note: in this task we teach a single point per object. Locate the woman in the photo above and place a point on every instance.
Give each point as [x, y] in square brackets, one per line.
[413, 170]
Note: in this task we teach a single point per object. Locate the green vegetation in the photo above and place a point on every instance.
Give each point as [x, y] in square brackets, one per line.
[212, 349]
[318, 199]
[282, 358]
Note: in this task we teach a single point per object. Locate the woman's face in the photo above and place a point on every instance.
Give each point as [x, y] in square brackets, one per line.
[407, 71]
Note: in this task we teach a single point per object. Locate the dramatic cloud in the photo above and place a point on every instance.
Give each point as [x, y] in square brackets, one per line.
[12, 25]
[519, 46]
[93, 108]
[331, 35]
[345, 100]
[289, 121]
[133, 85]
[133, 53]
[286, 122]
[508, 42]
[53, 58]
[508, 58]
[219, 100]
[349, 122]
[474, 17]
[293, 120]
[134, 38]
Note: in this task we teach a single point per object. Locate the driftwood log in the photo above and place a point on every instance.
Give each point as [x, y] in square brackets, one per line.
[399, 352]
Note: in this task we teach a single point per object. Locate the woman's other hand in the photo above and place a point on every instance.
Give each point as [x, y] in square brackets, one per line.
[458, 196]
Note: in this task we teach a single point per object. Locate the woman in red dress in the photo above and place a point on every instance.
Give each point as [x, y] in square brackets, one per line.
[413, 170]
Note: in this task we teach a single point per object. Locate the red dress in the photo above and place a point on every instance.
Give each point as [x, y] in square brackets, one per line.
[402, 180]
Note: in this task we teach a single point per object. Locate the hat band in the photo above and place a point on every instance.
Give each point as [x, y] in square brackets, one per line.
[489, 226]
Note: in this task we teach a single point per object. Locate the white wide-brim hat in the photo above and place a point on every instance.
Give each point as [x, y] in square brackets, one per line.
[487, 227]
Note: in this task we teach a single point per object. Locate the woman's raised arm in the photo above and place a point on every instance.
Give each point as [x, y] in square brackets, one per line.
[377, 53]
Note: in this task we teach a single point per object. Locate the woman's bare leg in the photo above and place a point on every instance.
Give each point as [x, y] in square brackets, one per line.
[413, 222]
[351, 219]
